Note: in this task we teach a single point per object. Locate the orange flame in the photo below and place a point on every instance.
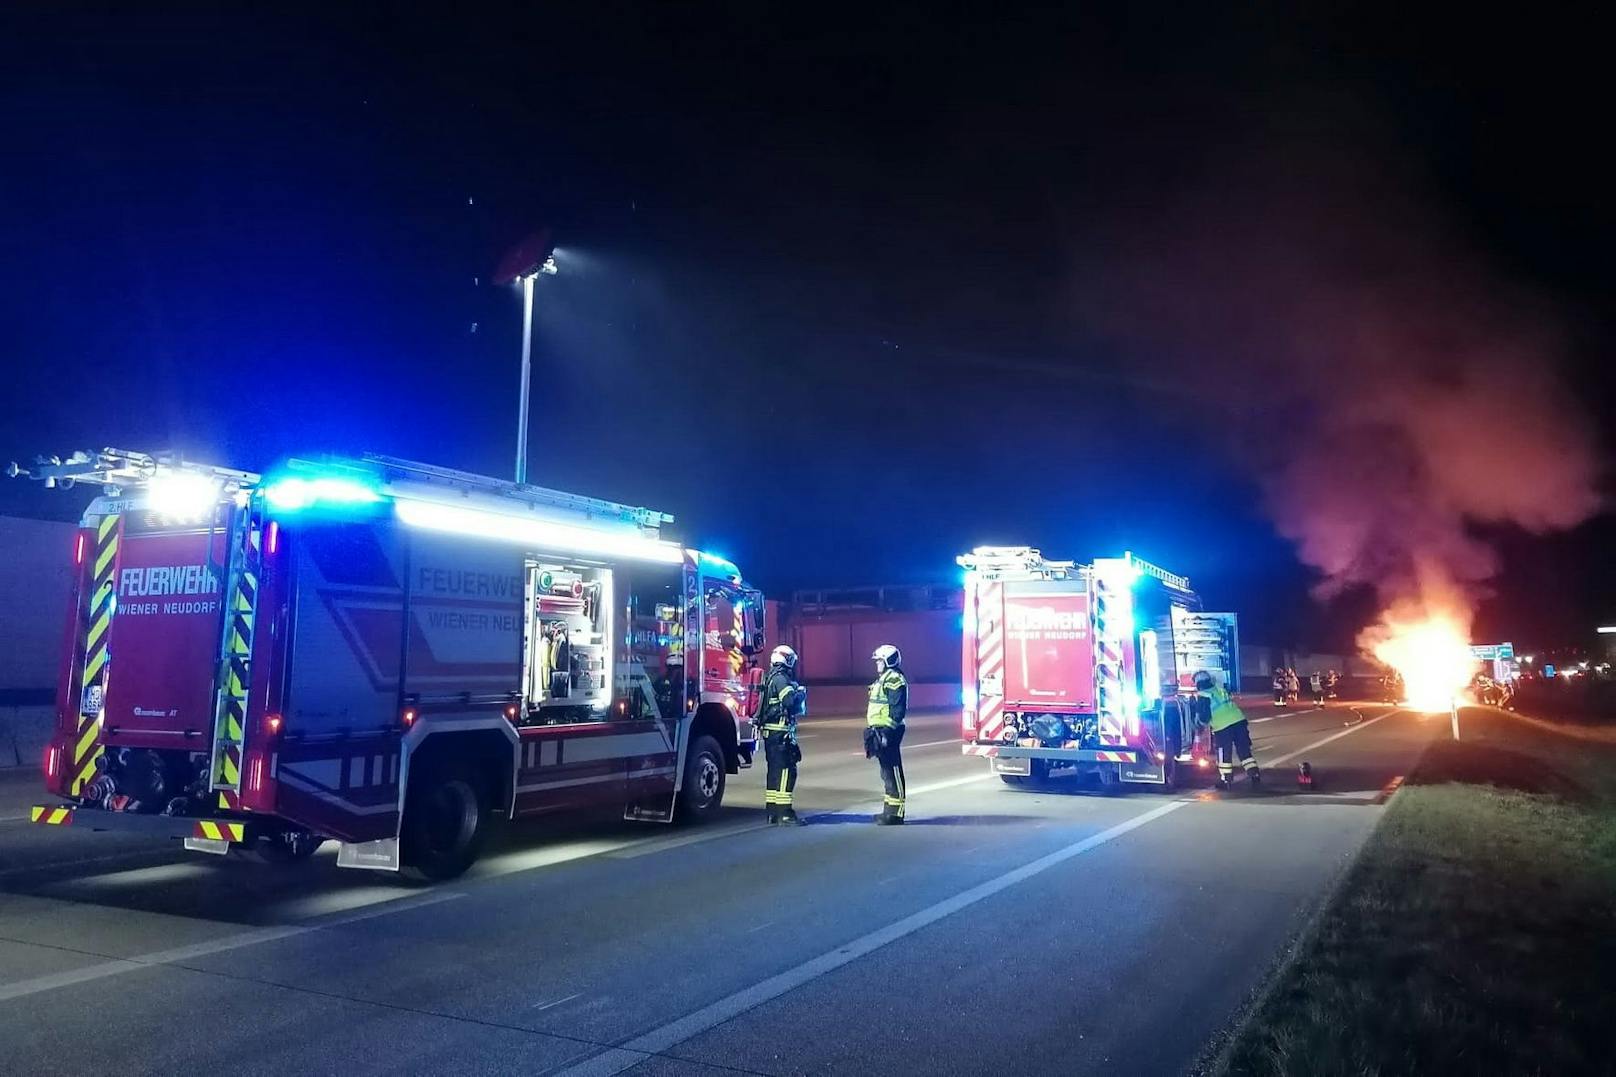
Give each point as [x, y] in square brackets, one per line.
[1428, 644]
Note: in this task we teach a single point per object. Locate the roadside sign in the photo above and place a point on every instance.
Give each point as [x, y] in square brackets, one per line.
[1493, 651]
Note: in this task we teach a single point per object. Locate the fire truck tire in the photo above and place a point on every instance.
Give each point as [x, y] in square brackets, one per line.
[703, 788]
[445, 821]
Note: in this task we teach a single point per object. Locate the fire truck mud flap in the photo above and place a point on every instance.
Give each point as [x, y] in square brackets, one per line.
[1011, 765]
[378, 855]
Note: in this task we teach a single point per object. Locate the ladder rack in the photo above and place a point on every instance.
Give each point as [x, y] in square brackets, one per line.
[120, 469]
[451, 478]
[1016, 562]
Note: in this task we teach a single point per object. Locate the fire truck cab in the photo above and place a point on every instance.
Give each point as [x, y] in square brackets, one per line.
[386, 654]
[1087, 667]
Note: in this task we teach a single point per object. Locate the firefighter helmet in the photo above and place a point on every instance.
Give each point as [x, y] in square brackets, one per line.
[887, 656]
[783, 656]
[1203, 681]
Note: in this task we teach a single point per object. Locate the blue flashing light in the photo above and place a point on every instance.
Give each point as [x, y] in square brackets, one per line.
[296, 493]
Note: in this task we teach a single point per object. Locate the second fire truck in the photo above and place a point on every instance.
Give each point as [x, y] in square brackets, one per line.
[1087, 667]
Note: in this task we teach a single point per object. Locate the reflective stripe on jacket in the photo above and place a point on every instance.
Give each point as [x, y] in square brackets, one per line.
[889, 699]
[779, 713]
[1225, 711]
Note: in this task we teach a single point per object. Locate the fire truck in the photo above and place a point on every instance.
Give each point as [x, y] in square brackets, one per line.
[385, 654]
[1087, 667]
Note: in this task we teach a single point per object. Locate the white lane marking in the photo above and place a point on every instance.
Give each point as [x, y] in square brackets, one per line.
[922, 744]
[1349, 731]
[760, 927]
[637, 1050]
[951, 783]
[177, 955]
[557, 1002]
[1288, 714]
[645, 847]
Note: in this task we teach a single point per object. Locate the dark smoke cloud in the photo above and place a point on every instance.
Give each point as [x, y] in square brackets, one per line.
[1389, 390]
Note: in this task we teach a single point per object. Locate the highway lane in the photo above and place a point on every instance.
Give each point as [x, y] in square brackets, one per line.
[1047, 931]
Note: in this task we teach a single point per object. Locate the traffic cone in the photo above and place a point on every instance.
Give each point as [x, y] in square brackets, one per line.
[1304, 777]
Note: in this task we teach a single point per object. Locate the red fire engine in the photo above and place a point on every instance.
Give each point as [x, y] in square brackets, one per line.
[386, 654]
[1087, 667]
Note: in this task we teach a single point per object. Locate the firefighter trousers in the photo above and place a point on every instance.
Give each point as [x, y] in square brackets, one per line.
[1234, 742]
[893, 789]
[783, 755]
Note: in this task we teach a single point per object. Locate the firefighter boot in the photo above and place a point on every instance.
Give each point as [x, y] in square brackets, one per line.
[774, 814]
[787, 816]
[1254, 777]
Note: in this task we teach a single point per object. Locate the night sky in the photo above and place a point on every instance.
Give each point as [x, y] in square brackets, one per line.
[836, 289]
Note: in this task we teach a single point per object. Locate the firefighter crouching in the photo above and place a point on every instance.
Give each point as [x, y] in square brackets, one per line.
[883, 733]
[1231, 735]
[783, 703]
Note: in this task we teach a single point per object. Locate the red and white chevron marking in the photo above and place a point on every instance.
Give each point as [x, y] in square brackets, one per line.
[989, 659]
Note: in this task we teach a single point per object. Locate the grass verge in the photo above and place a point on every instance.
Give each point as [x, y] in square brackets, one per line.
[1477, 931]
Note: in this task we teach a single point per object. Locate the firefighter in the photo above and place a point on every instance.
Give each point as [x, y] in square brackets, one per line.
[782, 705]
[1315, 683]
[1293, 685]
[1279, 687]
[883, 733]
[1332, 681]
[1231, 735]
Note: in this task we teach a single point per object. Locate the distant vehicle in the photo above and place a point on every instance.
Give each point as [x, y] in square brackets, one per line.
[1088, 668]
[387, 654]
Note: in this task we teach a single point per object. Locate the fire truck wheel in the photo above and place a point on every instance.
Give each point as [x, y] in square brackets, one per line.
[703, 789]
[444, 825]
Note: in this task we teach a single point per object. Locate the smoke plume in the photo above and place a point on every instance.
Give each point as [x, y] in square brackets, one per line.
[1393, 395]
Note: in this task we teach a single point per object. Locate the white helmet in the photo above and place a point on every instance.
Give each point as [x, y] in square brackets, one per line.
[783, 656]
[887, 656]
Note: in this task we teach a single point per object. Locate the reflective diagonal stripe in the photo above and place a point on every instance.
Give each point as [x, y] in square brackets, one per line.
[103, 559]
[50, 816]
[214, 831]
[86, 740]
[93, 666]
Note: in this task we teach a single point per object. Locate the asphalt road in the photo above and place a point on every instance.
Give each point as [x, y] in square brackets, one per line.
[1005, 931]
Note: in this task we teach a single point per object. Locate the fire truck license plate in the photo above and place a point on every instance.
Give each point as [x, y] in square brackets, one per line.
[1001, 765]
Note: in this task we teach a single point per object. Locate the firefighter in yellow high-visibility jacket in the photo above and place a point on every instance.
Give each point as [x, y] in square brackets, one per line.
[883, 731]
[1231, 735]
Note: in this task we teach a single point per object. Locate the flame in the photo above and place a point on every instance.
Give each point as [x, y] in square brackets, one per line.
[1431, 654]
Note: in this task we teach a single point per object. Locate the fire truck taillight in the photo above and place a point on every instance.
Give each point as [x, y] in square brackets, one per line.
[272, 540]
[407, 719]
[510, 712]
[272, 724]
[78, 548]
[53, 762]
[1201, 762]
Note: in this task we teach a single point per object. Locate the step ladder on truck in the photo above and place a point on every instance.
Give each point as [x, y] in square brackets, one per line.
[1087, 668]
[385, 654]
